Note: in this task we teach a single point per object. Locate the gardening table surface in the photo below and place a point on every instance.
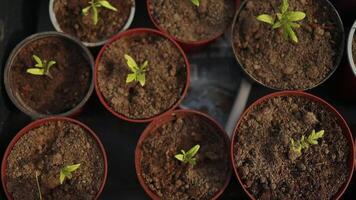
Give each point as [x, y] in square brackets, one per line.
[21, 18]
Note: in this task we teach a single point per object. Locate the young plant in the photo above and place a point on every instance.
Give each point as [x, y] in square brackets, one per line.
[287, 20]
[188, 157]
[66, 172]
[94, 6]
[196, 2]
[304, 143]
[38, 186]
[41, 67]
[138, 72]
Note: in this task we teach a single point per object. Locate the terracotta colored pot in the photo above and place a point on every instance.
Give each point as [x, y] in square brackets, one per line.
[187, 46]
[129, 33]
[345, 129]
[37, 124]
[158, 123]
[8, 67]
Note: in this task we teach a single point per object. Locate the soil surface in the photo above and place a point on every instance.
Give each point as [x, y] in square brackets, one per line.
[71, 76]
[72, 21]
[271, 170]
[354, 49]
[165, 78]
[279, 63]
[172, 179]
[190, 23]
[46, 150]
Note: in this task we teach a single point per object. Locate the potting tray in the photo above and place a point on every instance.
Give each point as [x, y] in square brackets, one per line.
[218, 87]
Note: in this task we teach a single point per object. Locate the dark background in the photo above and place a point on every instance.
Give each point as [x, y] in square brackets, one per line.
[21, 18]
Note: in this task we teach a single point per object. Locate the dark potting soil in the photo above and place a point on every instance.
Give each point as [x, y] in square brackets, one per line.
[71, 76]
[72, 21]
[279, 63]
[190, 23]
[171, 179]
[267, 166]
[165, 78]
[46, 150]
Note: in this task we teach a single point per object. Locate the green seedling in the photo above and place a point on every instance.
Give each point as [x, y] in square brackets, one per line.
[95, 6]
[188, 157]
[196, 2]
[38, 186]
[42, 67]
[287, 20]
[66, 172]
[137, 72]
[304, 143]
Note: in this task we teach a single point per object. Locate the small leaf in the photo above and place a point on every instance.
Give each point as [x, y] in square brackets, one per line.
[50, 64]
[196, 2]
[107, 5]
[131, 63]
[141, 78]
[277, 25]
[71, 168]
[295, 16]
[294, 25]
[36, 71]
[62, 177]
[144, 66]
[279, 16]
[179, 157]
[95, 16]
[130, 77]
[38, 60]
[291, 33]
[284, 6]
[85, 11]
[193, 151]
[266, 18]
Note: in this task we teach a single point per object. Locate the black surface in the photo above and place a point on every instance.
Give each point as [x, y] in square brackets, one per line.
[25, 17]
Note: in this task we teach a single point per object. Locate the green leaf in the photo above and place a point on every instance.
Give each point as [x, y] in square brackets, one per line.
[107, 5]
[193, 151]
[50, 64]
[36, 71]
[277, 25]
[266, 18]
[295, 16]
[196, 2]
[279, 16]
[291, 33]
[62, 177]
[131, 63]
[71, 168]
[130, 77]
[95, 16]
[85, 11]
[284, 6]
[141, 78]
[38, 61]
[294, 25]
[144, 66]
[313, 137]
[179, 157]
[66, 172]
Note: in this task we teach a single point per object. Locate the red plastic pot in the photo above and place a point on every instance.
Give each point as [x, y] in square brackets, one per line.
[128, 34]
[38, 123]
[158, 123]
[187, 46]
[341, 121]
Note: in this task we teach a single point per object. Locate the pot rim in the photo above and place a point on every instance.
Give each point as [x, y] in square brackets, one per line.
[39, 123]
[130, 33]
[337, 60]
[56, 25]
[166, 118]
[346, 131]
[349, 48]
[7, 74]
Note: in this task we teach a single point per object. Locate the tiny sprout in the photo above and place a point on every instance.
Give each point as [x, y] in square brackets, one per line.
[196, 2]
[286, 19]
[304, 143]
[138, 72]
[41, 67]
[188, 157]
[66, 172]
[94, 5]
[38, 187]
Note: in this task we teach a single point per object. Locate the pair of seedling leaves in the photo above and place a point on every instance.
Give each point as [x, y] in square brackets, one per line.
[95, 6]
[305, 142]
[189, 156]
[42, 67]
[65, 173]
[287, 20]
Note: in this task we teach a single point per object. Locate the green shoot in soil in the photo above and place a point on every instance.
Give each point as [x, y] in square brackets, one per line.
[38, 186]
[196, 2]
[188, 157]
[66, 172]
[287, 20]
[95, 6]
[41, 67]
[304, 143]
[138, 72]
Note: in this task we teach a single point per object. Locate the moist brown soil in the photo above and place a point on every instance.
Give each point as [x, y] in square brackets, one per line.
[46, 150]
[354, 49]
[71, 76]
[190, 23]
[282, 64]
[165, 78]
[171, 179]
[267, 166]
[72, 21]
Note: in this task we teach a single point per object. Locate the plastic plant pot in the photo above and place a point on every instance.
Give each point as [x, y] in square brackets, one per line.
[129, 33]
[91, 44]
[350, 47]
[187, 46]
[345, 128]
[159, 122]
[37, 124]
[15, 96]
[340, 49]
